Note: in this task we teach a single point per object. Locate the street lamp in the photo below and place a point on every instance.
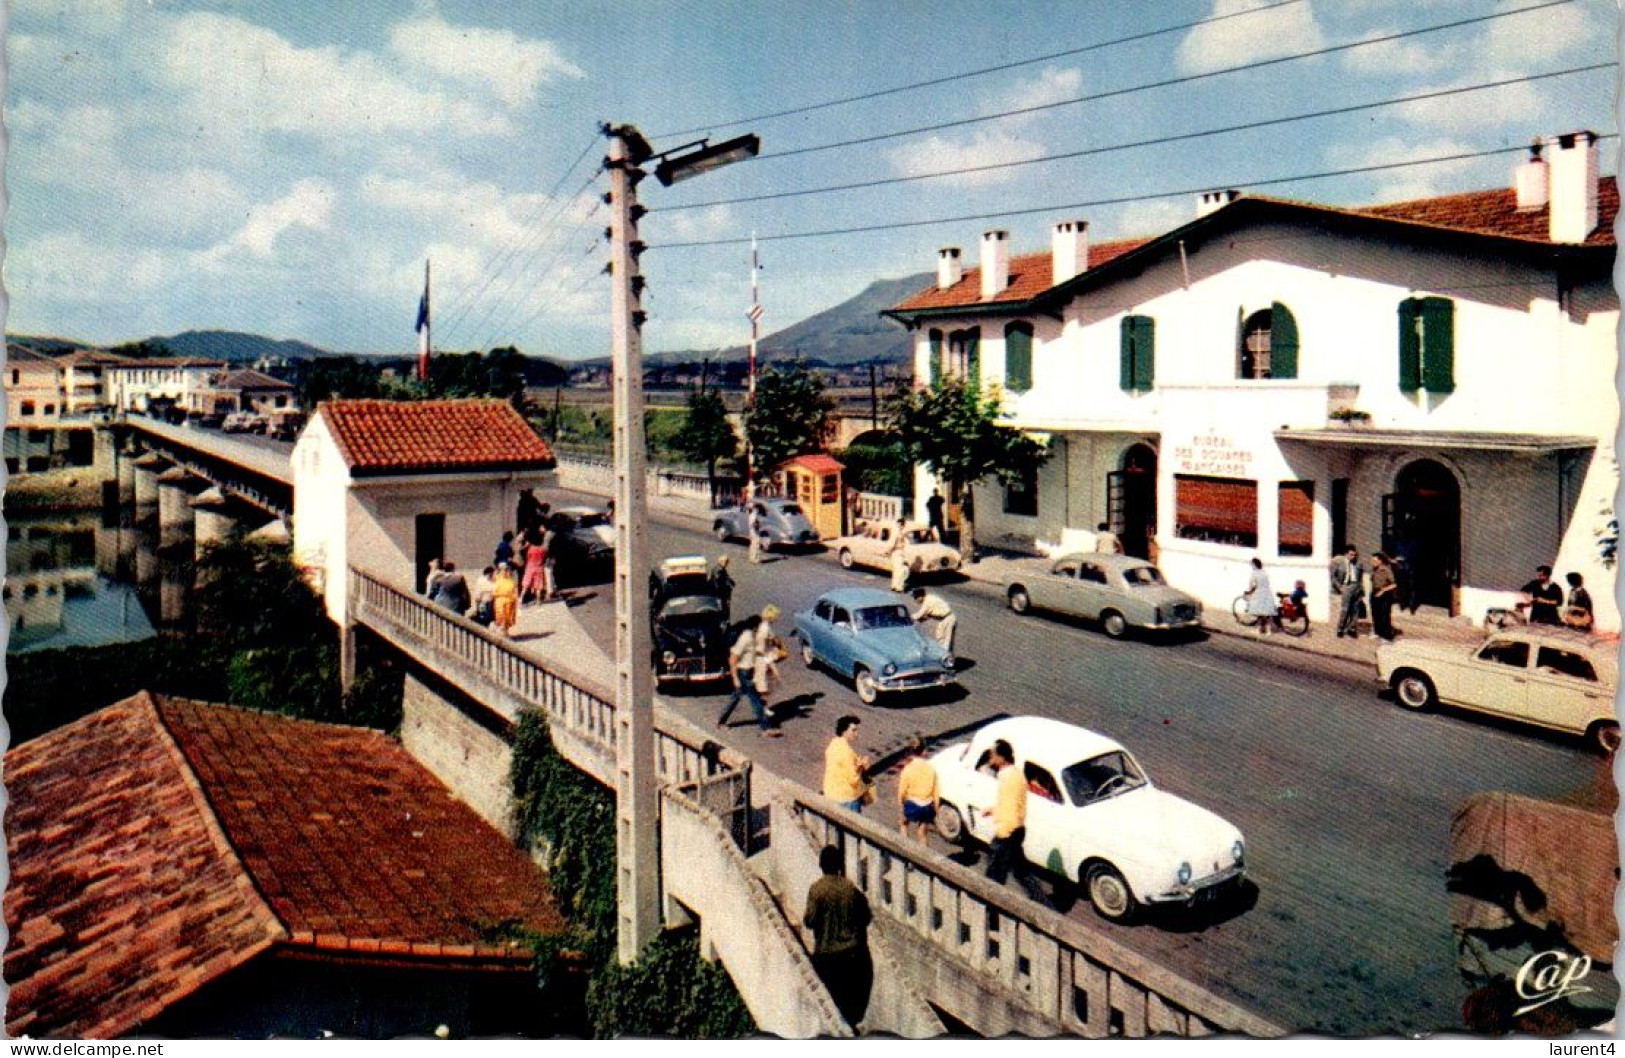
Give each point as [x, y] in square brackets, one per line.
[637, 867]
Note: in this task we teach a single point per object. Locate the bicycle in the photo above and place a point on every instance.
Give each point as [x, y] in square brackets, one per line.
[1289, 616]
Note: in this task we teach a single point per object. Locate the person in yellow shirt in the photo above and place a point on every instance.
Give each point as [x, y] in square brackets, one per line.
[917, 791]
[1009, 813]
[843, 768]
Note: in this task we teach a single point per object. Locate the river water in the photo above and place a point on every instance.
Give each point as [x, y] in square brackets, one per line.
[83, 579]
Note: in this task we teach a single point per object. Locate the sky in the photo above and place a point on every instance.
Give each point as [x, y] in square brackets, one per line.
[286, 167]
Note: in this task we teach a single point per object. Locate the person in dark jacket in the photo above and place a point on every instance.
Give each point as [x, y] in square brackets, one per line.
[838, 915]
[451, 591]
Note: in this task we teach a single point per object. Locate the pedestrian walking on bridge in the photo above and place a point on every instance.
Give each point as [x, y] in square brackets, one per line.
[838, 914]
[1009, 813]
[917, 798]
[845, 773]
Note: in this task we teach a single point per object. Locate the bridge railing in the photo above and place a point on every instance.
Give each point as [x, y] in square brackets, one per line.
[1066, 973]
[873, 506]
[580, 710]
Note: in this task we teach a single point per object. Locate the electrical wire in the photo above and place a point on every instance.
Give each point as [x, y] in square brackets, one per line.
[1114, 201]
[1257, 64]
[1134, 144]
[565, 243]
[951, 78]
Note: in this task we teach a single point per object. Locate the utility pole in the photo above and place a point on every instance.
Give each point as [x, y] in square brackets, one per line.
[637, 867]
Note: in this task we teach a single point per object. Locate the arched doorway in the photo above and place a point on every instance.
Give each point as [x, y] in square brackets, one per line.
[1421, 524]
[1131, 500]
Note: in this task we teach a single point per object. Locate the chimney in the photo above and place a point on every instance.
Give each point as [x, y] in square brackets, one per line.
[1573, 188]
[1529, 181]
[1069, 249]
[1208, 201]
[949, 268]
[995, 263]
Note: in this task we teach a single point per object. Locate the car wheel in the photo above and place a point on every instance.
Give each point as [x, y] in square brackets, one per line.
[807, 657]
[1020, 601]
[951, 825]
[1414, 690]
[846, 558]
[1113, 624]
[1109, 894]
[720, 530]
[864, 684]
[1604, 736]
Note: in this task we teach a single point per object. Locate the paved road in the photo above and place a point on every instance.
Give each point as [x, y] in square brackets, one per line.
[1345, 799]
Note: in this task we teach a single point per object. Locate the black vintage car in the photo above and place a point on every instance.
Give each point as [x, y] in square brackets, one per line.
[688, 622]
[583, 549]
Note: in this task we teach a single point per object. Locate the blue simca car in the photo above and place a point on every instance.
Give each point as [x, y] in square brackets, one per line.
[868, 635]
[782, 523]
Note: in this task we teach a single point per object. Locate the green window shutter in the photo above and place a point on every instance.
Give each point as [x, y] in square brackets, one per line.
[1283, 342]
[1145, 353]
[1125, 354]
[1018, 358]
[973, 358]
[1439, 345]
[935, 339]
[1241, 336]
[1410, 348]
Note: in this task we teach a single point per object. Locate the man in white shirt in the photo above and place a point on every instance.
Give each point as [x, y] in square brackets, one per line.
[933, 607]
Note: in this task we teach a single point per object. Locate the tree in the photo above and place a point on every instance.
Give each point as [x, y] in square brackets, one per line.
[950, 427]
[790, 416]
[706, 435]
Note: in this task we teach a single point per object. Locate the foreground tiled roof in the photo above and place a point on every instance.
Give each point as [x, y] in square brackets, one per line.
[1492, 213]
[159, 843]
[382, 436]
[1030, 275]
[125, 895]
[248, 378]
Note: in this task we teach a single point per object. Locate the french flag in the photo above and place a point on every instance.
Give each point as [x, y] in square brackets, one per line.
[423, 327]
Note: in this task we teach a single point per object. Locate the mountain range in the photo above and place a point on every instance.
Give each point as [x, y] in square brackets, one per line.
[849, 333]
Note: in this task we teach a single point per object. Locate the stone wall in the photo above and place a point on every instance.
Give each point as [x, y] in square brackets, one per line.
[469, 757]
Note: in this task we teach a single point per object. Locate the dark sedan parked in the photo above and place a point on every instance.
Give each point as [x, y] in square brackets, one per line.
[688, 622]
[583, 545]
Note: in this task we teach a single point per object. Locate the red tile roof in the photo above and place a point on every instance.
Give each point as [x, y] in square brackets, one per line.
[248, 378]
[1492, 212]
[817, 462]
[348, 836]
[382, 436]
[123, 887]
[159, 843]
[1030, 275]
[132, 364]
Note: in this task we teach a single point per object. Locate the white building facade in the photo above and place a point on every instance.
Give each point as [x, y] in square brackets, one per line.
[1279, 379]
[181, 381]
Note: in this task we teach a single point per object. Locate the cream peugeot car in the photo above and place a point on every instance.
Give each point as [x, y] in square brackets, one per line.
[1093, 817]
[871, 546]
[1547, 676]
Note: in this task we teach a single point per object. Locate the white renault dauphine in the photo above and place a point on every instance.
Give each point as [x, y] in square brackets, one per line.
[871, 546]
[1092, 817]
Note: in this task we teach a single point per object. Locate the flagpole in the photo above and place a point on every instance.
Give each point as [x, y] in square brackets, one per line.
[427, 343]
[750, 372]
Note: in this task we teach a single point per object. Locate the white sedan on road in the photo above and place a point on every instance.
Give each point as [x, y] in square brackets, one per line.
[1552, 677]
[1092, 817]
[871, 546]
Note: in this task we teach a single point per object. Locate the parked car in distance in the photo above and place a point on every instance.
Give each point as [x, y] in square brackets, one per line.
[583, 544]
[1093, 817]
[1551, 677]
[871, 546]
[783, 523]
[868, 636]
[688, 622]
[284, 424]
[1119, 591]
[243, 422]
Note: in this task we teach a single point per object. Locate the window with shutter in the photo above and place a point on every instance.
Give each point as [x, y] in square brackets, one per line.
[1217, 510]
[935, 356]
[1145, 353]
[1438, 345]
[973, 357]
[1296, 522]
[1018, 357]
[1410, 347]
[1283, 342]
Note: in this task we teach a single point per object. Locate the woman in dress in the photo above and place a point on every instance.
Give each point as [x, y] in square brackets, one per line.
[534, 588]
[1260, 598]
[505, 599]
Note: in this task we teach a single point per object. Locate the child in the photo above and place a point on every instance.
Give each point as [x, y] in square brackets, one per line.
[1299, 597]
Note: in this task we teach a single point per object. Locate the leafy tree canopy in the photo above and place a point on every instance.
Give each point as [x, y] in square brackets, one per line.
[706, 436]
[792, 415]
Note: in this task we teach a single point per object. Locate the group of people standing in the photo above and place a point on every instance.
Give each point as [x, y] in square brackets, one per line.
[520, 573]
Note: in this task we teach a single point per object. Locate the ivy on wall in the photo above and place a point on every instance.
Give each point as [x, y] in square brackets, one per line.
[670, 990]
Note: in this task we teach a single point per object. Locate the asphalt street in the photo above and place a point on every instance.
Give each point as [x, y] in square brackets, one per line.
[1345, 799]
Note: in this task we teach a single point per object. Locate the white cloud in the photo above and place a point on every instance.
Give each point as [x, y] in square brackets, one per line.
[1398, 185]
[1154, 217]
[713, 222]
[1244, 39]
[1515, 106]
[1050, 86]
[309, 204]
[507, 66]
[1010, 140]
[1400, 57]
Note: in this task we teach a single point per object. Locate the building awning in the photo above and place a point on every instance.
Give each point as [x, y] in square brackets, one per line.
[1367, 437]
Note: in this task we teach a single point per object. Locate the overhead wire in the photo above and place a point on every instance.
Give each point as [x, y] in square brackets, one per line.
[564, 244]
[1134, 144]
[1112, 201]
[861, 97]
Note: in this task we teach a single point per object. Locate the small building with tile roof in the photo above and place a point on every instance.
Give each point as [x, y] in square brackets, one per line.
[1278, 379]
[389, 485]
[187, 869]
[255, 391]
[152, 383]
[84, 379]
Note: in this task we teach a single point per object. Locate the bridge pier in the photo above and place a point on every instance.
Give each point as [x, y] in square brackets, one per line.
[145, 484]
[212, 521]
[124, 474]
[347, 648]
[175, 490]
